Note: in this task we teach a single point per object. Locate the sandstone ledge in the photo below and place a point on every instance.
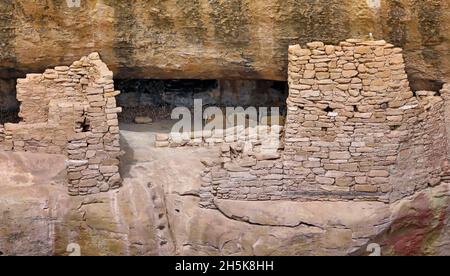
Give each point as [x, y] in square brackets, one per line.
[315, 213]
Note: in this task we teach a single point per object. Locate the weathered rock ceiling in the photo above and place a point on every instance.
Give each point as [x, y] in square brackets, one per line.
[214, 38]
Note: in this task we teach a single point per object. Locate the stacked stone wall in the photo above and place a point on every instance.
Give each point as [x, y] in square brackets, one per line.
[2, 135]
[216, 137]
[345, 105]
[71, 110]
[422, 154]
[354, 131]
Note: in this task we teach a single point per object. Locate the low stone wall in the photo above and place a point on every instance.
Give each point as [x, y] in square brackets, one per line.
[254, 135]
[71, 110]
[244, 172]
[44, 137]
[354, 131]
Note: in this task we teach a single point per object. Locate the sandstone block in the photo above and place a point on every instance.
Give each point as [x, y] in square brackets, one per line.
[339, 155]
[309, 74]
[225, 148]
[344, 181]
[247, 162]
[88, 183]
[311, 117]
[311, 164]
[349, 167]
[315, 45]
[310, 93]
[109, 169]
[114, 181]
[366, 188]
[143, 120]
[161, 144]
[162, 137]
[210, 162]
[349, 73]
[378, 173]
[267, 156]
[329, 49]
[94, 56]
[349, 66]
[362, 50]
[322, 75]
[325, 180]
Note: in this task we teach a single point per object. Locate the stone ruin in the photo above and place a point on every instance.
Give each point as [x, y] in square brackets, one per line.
[354, 131]
[71, 111]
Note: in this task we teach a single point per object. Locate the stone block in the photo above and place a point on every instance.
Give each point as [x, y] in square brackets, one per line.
[161, 144]
[325, 180]
[109, 169]
[339, 155]
[378, 173]
[366, 188]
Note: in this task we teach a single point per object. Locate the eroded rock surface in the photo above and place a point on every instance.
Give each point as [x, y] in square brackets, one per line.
[214, 39]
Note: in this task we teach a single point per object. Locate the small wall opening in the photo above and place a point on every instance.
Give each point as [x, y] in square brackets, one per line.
[419, 84]
[9, 105]
[86, 125]
[328, 109]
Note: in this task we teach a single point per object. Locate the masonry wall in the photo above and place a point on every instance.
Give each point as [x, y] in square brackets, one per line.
[249, 169]
[354, 131]
[345, 105]
[422, 154]
[2, 135]
[71, 110]
[253, 134]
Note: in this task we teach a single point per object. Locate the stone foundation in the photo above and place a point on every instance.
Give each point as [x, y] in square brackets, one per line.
[354, 131]
[71, 110]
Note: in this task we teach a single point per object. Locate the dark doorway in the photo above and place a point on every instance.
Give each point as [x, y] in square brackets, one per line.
[9, 106]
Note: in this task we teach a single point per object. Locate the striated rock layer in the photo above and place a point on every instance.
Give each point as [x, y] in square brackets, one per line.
[215, 38]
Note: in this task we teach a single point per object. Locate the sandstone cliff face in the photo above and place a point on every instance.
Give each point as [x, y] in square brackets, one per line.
[216, 38]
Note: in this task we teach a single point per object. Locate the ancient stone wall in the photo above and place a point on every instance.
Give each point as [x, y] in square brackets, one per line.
[218, 136]
[422, 154]
[354, 131]
[71, 110]
[344, 106]
[2, 134]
